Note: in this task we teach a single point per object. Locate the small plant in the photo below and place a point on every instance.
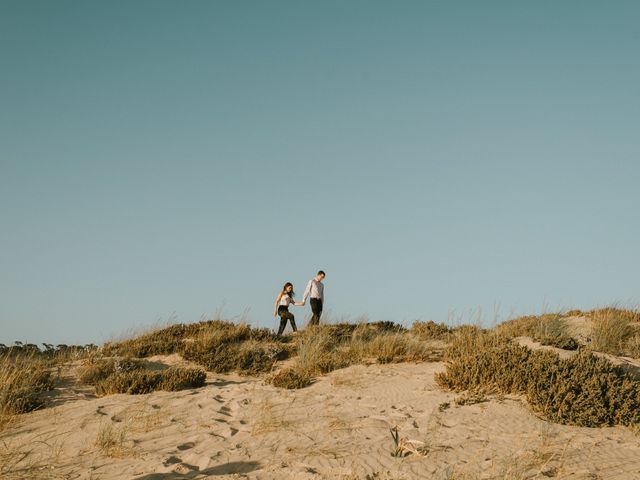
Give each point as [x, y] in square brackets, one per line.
[397, 451]
[290, 378]
[111, 439]
[403, 446]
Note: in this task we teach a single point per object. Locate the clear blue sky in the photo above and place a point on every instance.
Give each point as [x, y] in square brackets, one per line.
[171, 158]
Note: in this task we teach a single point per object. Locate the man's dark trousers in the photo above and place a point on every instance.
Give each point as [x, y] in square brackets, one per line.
[316, 309]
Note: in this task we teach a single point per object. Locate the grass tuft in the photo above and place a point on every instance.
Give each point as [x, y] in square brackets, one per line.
[611, 330]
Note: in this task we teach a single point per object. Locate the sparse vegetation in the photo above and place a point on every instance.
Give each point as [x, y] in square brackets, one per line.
[112, 439]
[326, 348]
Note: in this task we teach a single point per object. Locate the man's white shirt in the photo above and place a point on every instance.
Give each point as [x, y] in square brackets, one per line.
[315, 289]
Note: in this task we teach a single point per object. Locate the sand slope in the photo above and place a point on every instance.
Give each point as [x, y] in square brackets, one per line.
[238, 427]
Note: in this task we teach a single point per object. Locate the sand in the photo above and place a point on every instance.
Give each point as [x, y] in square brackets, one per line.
[338, 428]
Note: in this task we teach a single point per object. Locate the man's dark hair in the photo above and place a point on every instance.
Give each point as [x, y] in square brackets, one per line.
[320, 272]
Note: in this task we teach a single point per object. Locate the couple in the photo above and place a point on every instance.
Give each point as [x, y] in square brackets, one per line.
[315, 289]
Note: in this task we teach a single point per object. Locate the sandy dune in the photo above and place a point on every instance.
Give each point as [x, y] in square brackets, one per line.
[238, 427]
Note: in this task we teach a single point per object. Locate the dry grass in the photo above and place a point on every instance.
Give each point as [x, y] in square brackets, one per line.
[272, 418]
[113, 439]
[323, 349]
[612, 330]
[31, 458]
[23, 377]
[584, 390]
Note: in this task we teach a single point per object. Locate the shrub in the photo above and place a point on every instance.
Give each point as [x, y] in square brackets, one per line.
[174, 338]
[139, 382]
[290, 378]
[584, 390]
[134, 383]
[175, 379]
[221, 354]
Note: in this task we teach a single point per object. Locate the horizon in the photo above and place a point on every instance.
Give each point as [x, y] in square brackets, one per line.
[168, 161]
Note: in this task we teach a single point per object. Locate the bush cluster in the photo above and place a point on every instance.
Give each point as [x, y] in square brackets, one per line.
[136, 382]
[584, 390]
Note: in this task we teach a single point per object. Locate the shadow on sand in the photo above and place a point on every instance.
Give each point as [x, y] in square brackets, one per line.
[225, 469]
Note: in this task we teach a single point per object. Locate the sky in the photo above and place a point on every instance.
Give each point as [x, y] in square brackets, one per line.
[165, 161]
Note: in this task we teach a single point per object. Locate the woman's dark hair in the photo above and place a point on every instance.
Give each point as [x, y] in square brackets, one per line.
[288, 284]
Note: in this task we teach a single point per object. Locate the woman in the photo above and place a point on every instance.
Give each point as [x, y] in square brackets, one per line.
[281, 307]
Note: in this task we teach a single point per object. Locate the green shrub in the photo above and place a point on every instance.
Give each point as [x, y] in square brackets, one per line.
[583, 390]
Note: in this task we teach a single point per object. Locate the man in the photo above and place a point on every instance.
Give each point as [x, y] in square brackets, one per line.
[315, 289]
